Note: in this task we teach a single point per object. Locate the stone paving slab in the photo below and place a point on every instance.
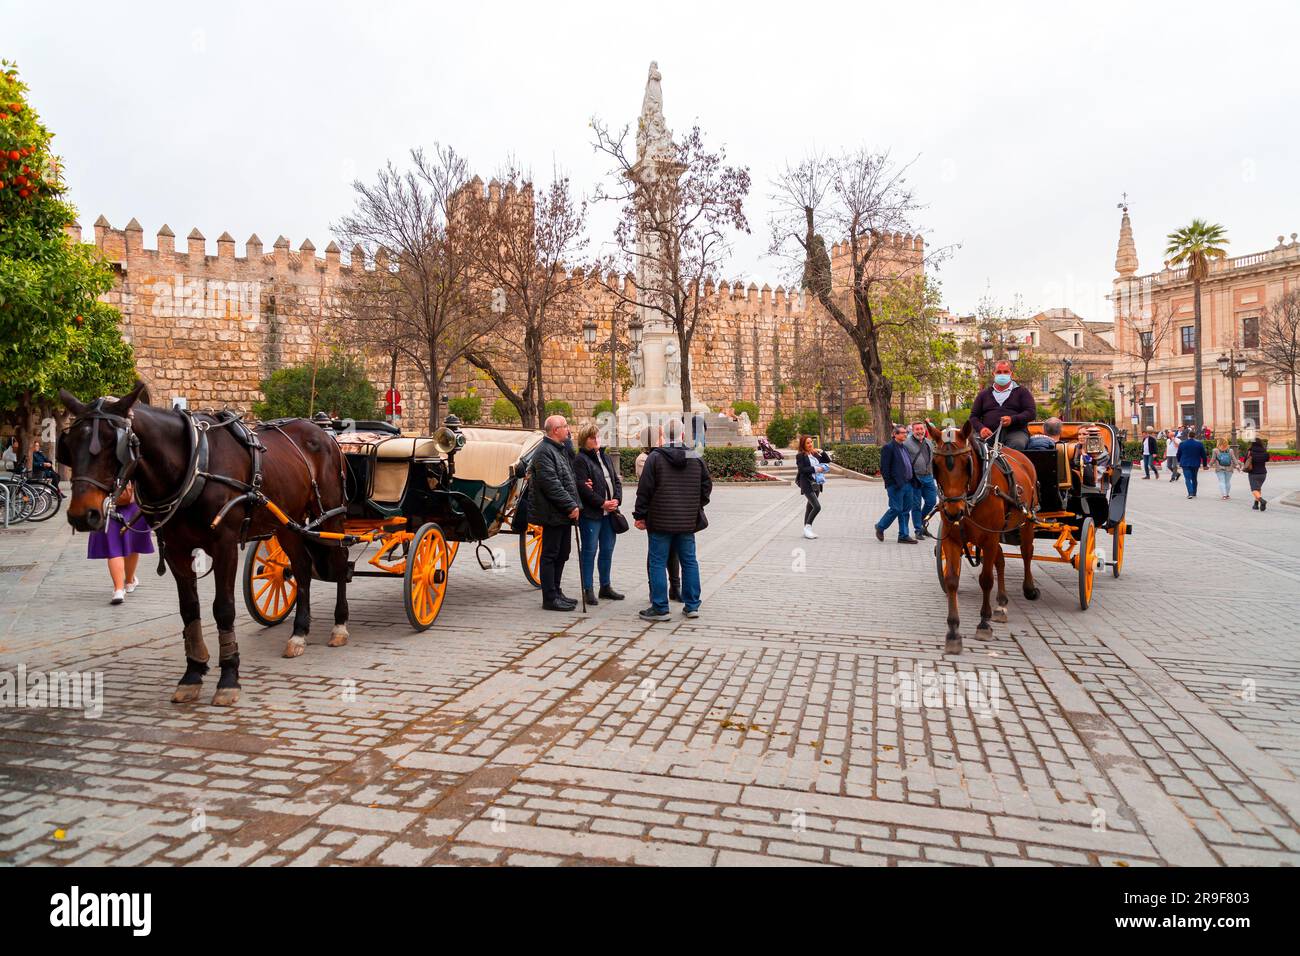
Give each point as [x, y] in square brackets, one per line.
[770, 731]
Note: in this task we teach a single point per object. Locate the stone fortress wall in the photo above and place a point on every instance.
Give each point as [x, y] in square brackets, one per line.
[210, 328]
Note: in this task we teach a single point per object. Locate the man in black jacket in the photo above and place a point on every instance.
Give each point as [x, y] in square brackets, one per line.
[900, 485]
[553, 504]
[1149, 451]
[1005, 403]
[670, 499]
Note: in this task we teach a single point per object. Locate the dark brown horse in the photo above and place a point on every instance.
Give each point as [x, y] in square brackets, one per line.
[978, 503]
[187, 470]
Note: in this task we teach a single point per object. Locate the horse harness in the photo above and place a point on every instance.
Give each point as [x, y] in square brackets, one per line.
[991, 456]
[158, 513]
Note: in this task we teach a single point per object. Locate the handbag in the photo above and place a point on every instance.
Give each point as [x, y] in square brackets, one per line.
[1245, 464]
[618, 521]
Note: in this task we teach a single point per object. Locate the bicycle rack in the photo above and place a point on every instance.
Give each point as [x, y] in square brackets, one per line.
[4, 486]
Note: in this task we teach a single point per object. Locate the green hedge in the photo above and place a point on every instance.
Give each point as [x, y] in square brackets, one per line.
[558, 406]
[604, 405]
[504, 412]
[468, 408]
[781, 430]
[728, 461]
[863, 458]
[740, 406]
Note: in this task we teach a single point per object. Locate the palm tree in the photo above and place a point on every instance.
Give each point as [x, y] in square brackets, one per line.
[1088, 401]
[1196, 245]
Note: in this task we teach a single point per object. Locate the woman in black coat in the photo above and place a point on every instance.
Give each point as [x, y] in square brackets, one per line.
[600, 488]
[1256, 465]
[812, 464]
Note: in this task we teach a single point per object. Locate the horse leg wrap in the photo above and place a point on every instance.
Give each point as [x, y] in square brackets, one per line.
[196, 649]
[229, 648]
[229, 673]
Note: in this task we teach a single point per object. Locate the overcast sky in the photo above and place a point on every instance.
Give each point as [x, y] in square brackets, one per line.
[1025, 123]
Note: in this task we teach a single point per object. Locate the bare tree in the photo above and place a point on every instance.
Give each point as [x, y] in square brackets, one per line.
[419, 301]
[862, 199]
[524, 243]
[1150, 333]
[678, 225]
[1279, 348]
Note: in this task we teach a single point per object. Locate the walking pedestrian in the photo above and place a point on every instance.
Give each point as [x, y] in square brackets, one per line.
[1191, 459]
[1172, 441]
[650, 441]
[554, 504]
[1256, 467]
[1225, 463]
[1149, 449]
[670, 500]
[121, 541]
[601, 490]
[896, 470]
[920, 449]
[812, 464]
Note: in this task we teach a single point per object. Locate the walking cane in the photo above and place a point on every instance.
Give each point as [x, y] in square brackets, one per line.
[577, 536]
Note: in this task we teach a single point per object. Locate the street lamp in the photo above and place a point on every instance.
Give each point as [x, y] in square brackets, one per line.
[1069, 390]
[1013, 352]
[1233, 367]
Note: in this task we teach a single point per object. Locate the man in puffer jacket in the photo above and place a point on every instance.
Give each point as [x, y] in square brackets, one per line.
[553, 504]
[670, 499]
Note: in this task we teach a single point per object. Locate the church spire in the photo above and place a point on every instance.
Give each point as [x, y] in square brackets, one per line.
[1126, 257]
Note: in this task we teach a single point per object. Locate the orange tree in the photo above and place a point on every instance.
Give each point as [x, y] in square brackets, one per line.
[54, 331]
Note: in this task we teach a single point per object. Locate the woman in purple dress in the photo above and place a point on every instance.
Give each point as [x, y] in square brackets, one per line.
[122, 541]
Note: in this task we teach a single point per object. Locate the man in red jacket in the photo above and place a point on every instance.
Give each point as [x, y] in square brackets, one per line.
[1004, 403]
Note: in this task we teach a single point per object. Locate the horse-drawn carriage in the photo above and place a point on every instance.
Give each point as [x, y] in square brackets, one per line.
[411, 502]
[1082, 489]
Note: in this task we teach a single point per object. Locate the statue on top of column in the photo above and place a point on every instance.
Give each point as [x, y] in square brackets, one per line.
[653, 140]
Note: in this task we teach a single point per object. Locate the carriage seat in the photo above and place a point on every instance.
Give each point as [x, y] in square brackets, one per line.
[489, 453]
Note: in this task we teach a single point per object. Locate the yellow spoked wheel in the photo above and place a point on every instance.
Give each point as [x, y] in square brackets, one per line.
[530, 554]
[1117, 547]
[427, 567]
[269, 586]
[1085, 557]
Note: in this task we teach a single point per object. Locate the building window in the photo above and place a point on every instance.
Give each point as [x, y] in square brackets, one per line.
[1078, 339]
[1092, 376]
[1047, 384]
[1250, 413]
[1189, 413]
[1250, 332]
[1188, 339]
[1144, 342]
[1148, 416]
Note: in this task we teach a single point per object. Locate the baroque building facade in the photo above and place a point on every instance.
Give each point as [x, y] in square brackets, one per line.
[1234, 299]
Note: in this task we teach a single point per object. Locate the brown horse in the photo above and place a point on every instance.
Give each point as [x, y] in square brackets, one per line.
[187, 471]
[978, 505]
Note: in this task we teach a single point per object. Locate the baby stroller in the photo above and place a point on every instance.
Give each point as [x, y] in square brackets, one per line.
[770, 451]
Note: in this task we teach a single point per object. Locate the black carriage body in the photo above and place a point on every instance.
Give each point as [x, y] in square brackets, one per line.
[468, 491]
[1072, 492]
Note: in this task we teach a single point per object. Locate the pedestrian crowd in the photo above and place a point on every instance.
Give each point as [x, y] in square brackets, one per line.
[1186, 454]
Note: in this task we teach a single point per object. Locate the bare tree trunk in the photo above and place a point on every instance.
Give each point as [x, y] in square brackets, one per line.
[684, 348]
[1295, 407]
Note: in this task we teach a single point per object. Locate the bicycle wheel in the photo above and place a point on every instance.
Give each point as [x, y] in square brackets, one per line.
[47, 504]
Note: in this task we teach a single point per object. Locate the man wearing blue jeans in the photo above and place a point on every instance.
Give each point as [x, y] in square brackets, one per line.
[670, 499]
[900, 482]
[920, 450]
[1191, 458]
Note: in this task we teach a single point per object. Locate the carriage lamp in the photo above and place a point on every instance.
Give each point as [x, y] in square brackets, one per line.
[635, 329]
[589, 333]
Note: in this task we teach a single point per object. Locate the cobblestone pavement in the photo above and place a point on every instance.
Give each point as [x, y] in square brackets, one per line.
[1161, 726]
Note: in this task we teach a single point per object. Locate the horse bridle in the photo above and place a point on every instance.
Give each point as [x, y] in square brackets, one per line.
[126, 450]
[127, 453]
[969, 499]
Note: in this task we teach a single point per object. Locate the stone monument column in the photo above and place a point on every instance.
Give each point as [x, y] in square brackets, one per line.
[659, 397]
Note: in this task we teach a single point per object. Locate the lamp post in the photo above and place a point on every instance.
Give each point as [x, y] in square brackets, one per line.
[1069, 390]
[1233, 366]
[589, 336]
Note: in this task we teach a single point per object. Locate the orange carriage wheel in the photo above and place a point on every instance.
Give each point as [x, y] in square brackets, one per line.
[1117, 547]
[428, 566]
[452, 548]
[530, 554]
[1085, 558]
[269, 586]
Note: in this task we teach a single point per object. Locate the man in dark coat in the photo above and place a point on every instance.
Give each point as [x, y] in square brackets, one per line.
[1004, 403]
[670, 499]
[900, 484]
[1191, 459]
[553, 503]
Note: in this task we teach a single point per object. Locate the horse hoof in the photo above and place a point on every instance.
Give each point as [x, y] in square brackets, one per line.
[225, 697]
[186, 693]
[338, 636]
[983, 633]
[295, 647]
[1031, 594]
[952, 645]
[1000, 615]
